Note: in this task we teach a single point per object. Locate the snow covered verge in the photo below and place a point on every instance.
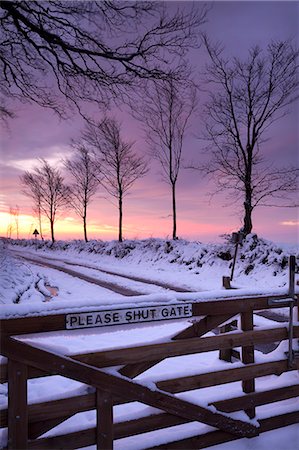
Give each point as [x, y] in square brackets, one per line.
[254, 253]
[261, 268]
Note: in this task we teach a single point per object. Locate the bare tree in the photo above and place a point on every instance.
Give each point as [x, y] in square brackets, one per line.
[38, 211]
[14, 215]
[9, 230]
[120, 166]
[166, 112]
[248, 97]
[90, 50]
[82, 170]
[45, 186]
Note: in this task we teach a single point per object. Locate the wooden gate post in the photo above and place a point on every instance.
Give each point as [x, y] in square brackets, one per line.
[104, 421]
[17, 406]
[248, 357]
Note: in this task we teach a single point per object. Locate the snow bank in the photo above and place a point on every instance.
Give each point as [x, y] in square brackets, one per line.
[253, 254]
[261, 269]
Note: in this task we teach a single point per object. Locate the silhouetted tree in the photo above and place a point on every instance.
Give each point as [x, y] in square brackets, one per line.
[14, 217]
[45, 186]
[248, 96]
[165, 112]
[37, 210]
[82, 170]
[90, 50]
[119, 165]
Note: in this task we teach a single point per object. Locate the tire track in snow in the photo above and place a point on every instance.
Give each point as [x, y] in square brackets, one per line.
[105, 284]
[126, 277]
[133, 278]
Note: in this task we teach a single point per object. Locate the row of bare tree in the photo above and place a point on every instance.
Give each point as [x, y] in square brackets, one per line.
[78, 45]
[101, 158]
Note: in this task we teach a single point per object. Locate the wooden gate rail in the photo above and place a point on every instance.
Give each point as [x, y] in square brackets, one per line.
[183, 347]
[170, 349]
[66, 407]
[125, 388]
[209, 379]
[122, 430]
[219, 437]
[56, 322]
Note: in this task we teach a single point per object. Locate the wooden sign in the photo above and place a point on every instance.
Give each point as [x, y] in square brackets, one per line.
[125, 316]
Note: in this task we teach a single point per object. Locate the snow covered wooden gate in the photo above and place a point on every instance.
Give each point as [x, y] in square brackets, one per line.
[27, 423]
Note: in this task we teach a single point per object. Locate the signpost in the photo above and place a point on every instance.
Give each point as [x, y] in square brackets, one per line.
[237, 239]
[36, 233]
[130, 315]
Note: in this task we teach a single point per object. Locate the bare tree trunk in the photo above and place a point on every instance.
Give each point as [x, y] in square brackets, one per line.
[248, 193]
[40, 224]
[85, 228]
[247, 226]
[85, 225]
[174, 236]
[52, 230]
[120, 223]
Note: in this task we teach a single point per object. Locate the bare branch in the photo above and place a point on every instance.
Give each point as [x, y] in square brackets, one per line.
[119, 166]
[82, 170]
[45, 186]
[165, 113]
[248, 97]
[90, 50]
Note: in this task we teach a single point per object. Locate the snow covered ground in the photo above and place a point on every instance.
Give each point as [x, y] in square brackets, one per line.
[198, 268]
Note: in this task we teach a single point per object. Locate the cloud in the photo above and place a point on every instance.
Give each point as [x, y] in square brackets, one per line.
[56, 152]
[290, 223]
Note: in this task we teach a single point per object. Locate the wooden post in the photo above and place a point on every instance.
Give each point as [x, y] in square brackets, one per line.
[248, 357]
[104, 421]
[226, 354]
[293, 312]
[226, 283]
[17, 406]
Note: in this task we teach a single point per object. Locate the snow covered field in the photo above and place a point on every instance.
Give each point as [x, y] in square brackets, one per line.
[180, 265]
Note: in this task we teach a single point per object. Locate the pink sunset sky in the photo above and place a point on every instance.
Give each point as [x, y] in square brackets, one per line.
[38, 133]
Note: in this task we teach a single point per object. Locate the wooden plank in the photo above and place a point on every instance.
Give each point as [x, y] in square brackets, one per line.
[37, 429]
[65, 366]
[147, 424]
[31, 373]
[56, 322]
[121, 430]
[70, 441]
[17, 406]
[234, 306]
[274, 422]
[224, 376]
[133, 370]
[104, 420]
[27, 325]
[226, 353]
[55, 408]
[145, 353]
[248, 358]
[197, 329]
[87, 437]
[203, 326]
[220, 437]
[257, 399]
